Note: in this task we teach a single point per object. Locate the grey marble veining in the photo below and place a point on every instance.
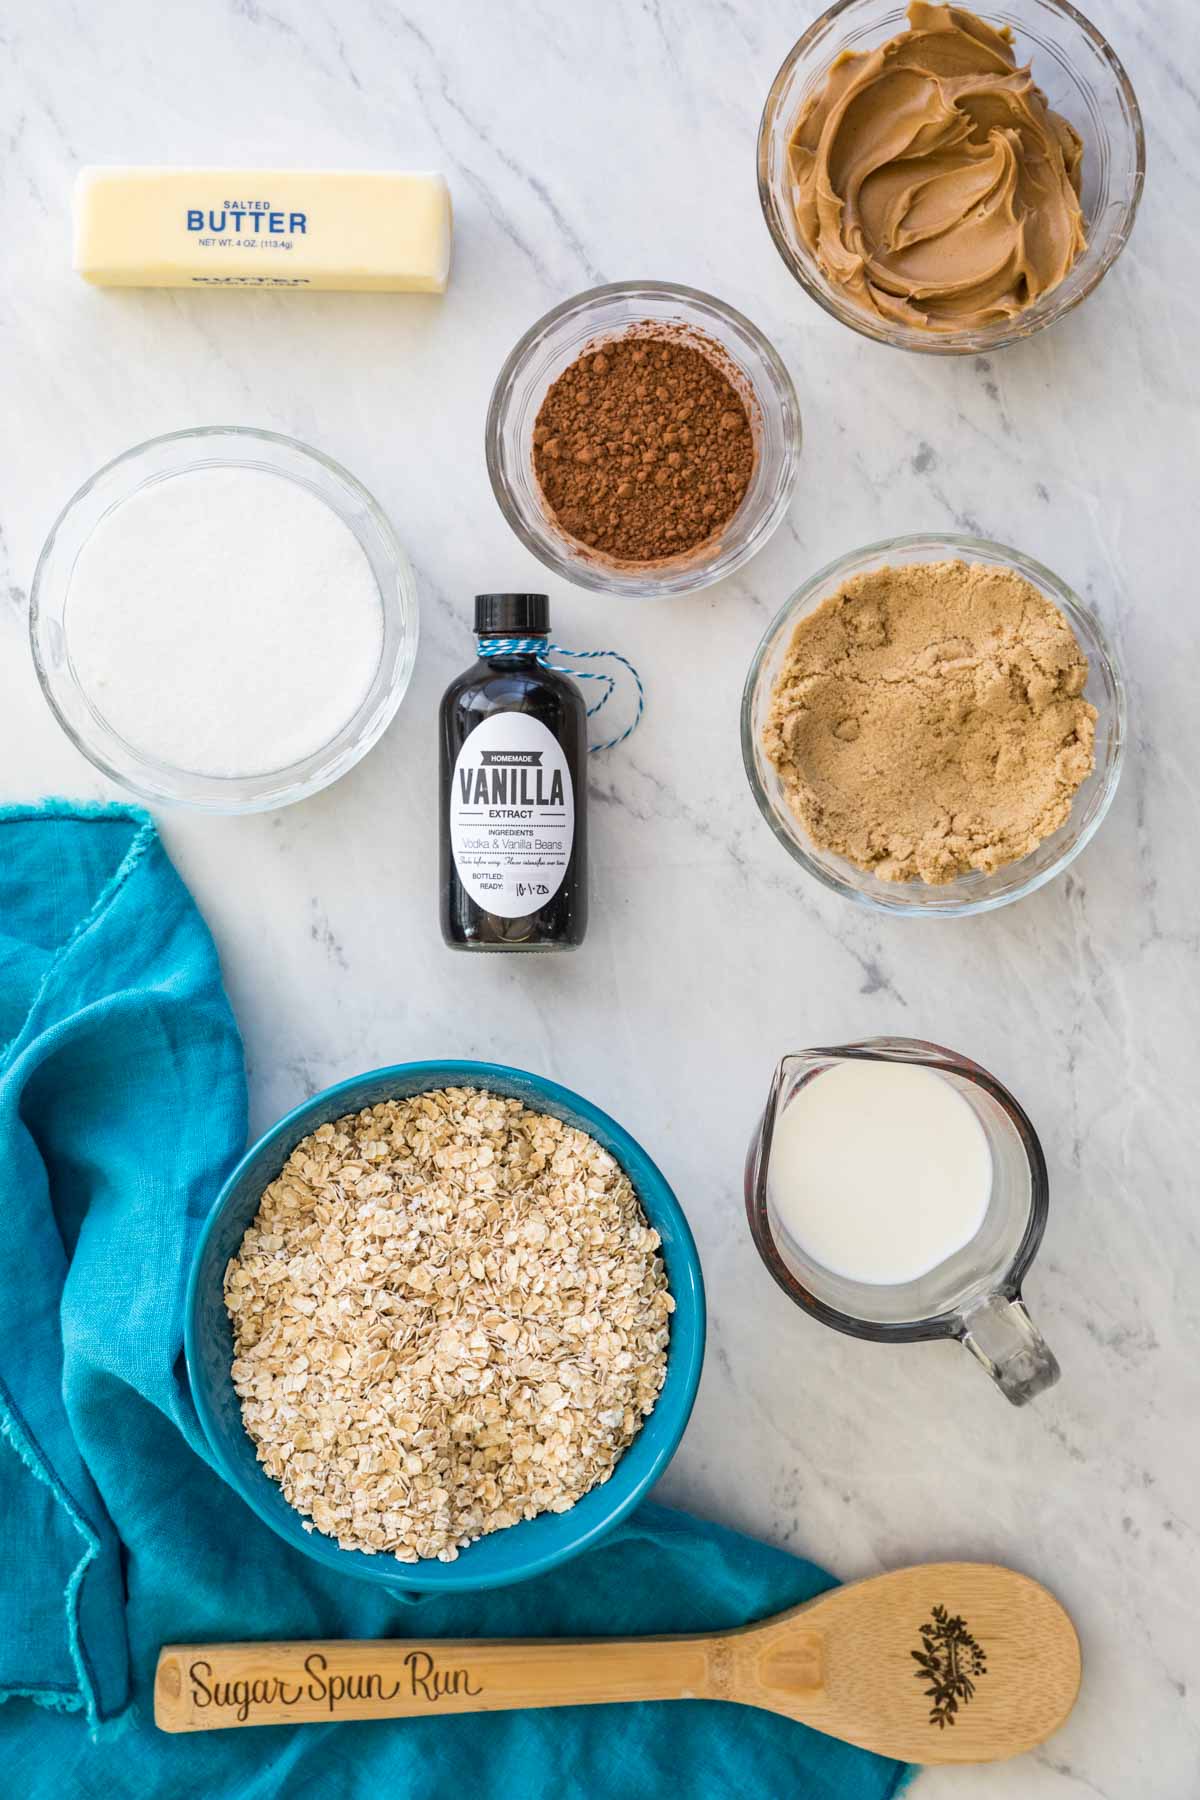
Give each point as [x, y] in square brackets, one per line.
[588, 144]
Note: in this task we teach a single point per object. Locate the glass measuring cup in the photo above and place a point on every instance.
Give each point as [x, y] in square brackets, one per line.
[975, 1294]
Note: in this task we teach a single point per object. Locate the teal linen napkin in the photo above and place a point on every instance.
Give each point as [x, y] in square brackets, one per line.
[122, 1105]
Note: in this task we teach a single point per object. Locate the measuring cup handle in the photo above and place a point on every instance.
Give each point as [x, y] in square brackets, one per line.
[1000, 1333]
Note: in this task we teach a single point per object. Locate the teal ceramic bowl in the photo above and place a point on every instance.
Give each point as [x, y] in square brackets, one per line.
[534, 1545]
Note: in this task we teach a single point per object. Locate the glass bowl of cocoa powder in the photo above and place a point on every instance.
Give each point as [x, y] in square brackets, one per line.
[643, 438]
[945, 710]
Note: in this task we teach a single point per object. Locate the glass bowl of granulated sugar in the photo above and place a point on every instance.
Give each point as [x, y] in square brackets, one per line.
[224, 619]
[643, 438]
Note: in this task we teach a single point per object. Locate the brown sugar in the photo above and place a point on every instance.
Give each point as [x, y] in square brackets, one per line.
[643, 447]
[929, 720]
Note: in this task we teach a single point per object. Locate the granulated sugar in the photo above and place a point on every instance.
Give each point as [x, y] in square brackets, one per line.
[225, 621]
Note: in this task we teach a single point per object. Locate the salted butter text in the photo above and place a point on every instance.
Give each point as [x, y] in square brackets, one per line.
[245, 218]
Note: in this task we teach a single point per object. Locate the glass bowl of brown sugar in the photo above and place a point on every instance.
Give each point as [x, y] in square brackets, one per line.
[965, 885]
[643, 439]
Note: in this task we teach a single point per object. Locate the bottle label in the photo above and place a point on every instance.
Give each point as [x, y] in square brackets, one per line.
[512, 815]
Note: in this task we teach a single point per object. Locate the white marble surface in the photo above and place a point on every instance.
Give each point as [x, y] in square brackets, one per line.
[588, 144]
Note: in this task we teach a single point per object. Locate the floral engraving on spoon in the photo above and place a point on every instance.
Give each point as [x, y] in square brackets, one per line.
[949, 1659]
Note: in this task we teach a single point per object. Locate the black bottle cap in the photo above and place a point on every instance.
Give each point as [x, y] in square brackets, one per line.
[512, 615]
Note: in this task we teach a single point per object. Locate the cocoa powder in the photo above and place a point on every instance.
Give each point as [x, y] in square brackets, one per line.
[643, 447]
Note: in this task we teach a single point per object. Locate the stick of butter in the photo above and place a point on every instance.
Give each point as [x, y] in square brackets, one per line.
[263, 228]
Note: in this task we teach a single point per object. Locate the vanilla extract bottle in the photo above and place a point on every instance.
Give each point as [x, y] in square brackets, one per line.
[513, 822]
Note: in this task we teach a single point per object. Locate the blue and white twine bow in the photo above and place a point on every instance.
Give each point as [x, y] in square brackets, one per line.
[541, 649]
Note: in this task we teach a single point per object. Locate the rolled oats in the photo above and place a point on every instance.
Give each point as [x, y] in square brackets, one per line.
[449, 1314]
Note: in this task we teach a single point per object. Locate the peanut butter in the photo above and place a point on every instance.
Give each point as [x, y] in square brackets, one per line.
[932, 182]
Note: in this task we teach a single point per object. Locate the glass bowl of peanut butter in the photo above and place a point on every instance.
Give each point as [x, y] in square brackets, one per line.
[949, 182]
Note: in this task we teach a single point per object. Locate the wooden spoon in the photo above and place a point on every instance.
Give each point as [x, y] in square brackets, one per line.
[947, 1662]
